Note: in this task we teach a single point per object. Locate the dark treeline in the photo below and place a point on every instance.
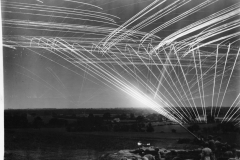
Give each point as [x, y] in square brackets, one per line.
[71, 111]
[225, 127]
[116, 119]
[108, 123]
[91, 122]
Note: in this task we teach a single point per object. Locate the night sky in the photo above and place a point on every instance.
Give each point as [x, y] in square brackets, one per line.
[36, 78]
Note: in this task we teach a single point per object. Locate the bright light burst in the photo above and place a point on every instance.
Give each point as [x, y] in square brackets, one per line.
[172, 75]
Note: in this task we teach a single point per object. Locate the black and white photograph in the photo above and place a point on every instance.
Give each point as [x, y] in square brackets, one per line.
[120, 79]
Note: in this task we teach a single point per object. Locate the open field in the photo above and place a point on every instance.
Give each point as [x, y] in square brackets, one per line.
[59, 144]
[55, 144]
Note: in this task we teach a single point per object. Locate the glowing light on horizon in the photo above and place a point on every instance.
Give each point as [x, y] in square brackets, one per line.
[169, 72]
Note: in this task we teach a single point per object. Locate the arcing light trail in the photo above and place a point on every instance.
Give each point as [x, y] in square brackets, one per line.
[59, 45]
[171, 75]
[105, 74]
[84, 3]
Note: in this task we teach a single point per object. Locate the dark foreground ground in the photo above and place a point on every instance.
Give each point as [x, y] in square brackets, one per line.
[57, 144]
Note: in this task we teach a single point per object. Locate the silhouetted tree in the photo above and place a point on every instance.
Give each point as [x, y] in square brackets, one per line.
[132, 116]
[174, 130]
[150, 128]
[37, 122]
[140, 119]
[123, 116]
[107, 116]
[134, 127]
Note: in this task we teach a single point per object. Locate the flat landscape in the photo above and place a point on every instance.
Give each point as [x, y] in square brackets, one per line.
[58, 144]
[67, 134]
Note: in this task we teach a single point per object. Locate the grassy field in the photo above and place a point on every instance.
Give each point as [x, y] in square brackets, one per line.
[58, 144]
[35, 138]
[55, 144]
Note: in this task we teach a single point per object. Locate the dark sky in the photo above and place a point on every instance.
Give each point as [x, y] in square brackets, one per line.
[36, 78]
